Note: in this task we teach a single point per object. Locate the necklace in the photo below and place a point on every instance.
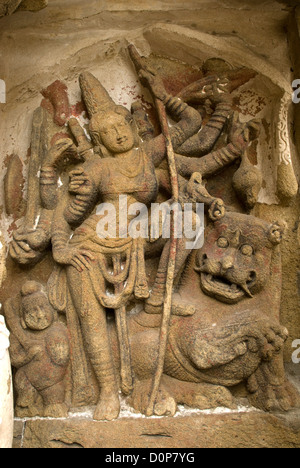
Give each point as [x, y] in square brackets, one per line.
[135, 165]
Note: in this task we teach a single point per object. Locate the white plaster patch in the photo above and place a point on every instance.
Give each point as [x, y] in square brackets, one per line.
[6, 394]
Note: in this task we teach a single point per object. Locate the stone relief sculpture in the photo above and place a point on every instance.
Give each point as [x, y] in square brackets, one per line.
[164, 320]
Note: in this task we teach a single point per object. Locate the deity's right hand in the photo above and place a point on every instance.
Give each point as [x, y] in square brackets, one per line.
[154, 82]
[64, 149]
[80, 182]
[78, 258]
[27, 246]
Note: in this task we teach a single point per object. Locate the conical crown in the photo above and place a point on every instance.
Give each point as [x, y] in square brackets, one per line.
[95, 96]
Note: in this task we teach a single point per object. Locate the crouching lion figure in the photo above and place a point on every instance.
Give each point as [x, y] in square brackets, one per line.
[234, 336]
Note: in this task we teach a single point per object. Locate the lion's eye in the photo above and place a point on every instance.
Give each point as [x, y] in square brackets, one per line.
[223, 243]
[247, 250]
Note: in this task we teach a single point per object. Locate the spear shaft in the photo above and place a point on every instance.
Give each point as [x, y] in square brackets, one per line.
[140, 64]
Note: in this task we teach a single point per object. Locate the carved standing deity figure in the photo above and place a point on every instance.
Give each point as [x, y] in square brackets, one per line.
[126, 170]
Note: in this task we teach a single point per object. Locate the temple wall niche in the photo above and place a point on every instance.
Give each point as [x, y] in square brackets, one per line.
[43, 54]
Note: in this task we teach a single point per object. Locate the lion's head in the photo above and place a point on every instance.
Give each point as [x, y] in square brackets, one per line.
[235, 260]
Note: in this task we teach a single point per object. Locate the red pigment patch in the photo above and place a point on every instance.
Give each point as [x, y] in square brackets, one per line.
[57, 95]
[13, 187]
[78, 109]
[13, 227]
[58, 136]
[175, 83]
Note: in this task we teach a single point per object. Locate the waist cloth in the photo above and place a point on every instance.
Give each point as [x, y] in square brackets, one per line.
[117, 273]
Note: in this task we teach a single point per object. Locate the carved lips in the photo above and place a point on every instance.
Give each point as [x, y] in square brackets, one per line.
[222, 289]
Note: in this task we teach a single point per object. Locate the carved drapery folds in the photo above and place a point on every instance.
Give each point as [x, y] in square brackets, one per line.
[97, 323]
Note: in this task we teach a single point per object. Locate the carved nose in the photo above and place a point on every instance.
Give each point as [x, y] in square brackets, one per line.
[39, 312]
[227, 263]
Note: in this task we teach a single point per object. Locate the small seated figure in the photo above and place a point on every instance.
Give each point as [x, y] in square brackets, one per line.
[40, 353]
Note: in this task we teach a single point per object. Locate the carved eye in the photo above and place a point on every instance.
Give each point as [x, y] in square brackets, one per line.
[223, 243]
[247, 250]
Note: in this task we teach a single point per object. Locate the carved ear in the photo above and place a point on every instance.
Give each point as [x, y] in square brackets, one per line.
[23, 324]
[217, 210]
[276, 232]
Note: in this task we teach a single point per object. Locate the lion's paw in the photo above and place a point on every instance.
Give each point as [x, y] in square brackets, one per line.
[165, 404]
[275, 397]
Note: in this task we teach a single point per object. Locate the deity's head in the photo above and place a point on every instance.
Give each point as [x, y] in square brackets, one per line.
[113, 130]
[37, 313]
[235, 261]
[110, 124]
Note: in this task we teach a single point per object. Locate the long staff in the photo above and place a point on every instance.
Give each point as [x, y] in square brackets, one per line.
[140, 64]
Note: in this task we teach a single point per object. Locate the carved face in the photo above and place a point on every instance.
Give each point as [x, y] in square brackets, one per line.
[114, 132]
[37, 313]
[236, 258]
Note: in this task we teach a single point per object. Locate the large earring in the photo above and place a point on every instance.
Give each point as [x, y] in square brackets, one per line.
[217, 210]
[276, 232]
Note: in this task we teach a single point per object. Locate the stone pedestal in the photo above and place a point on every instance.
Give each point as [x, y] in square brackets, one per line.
[6, 395]
[252, 429]
[244, 427]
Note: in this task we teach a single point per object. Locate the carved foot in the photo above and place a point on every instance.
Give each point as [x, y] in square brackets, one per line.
[108, 407]
[28, 412]
[165, 404]
[273, 397]
[59, 410]
[212, 396]
[199, 395]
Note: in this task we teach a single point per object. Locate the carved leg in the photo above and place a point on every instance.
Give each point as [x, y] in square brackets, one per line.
[165, 404]
[54, 401]
[270, 390]
[199, 395]
[94, 328]
[144, 360]
[28, 402]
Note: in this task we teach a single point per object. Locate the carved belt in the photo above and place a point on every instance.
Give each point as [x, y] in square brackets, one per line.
[125, 271]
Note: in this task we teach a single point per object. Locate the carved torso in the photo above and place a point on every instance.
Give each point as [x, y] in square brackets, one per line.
[133, 175]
